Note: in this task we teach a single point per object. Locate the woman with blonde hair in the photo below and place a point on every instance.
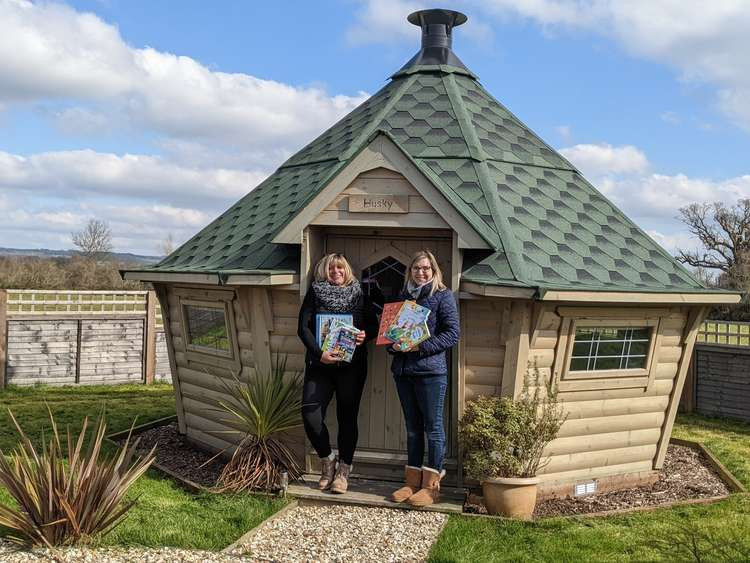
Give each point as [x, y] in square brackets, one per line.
[421, 375]
[334, 291]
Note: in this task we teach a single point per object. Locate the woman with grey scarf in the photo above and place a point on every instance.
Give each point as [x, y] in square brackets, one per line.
[335, 290]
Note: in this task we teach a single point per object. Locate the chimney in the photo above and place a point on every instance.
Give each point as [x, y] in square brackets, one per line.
[437, 37]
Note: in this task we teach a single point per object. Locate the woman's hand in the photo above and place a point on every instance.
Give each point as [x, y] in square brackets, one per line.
[328, 358]
[360, 337]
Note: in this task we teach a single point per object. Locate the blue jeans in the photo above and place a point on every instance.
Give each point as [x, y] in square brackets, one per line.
[422, 398]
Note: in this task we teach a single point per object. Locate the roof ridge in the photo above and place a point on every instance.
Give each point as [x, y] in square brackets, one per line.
[479, 155]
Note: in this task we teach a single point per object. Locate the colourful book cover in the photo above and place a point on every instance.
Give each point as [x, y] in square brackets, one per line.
[341, 340]
[410, 325]
[389, 314]
[323, 323]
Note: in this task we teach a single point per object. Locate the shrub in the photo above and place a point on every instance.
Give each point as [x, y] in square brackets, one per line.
[263, 408]
[505, 438]
[67, 499]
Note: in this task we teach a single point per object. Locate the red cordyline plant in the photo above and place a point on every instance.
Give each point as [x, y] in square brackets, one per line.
[67, 497]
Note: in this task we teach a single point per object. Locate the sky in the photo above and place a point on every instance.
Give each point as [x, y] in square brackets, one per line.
[156, 115]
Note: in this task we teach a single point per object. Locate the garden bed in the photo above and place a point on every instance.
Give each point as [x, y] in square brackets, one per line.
[689, 475]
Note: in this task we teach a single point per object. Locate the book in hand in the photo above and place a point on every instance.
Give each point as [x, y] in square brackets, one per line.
[409, 328]
[341, 340]
[323, 324]
[389, 314]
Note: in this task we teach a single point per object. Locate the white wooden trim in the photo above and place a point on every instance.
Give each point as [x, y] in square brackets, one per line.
[212, 279]
[638, 297]
[497, 291]
[381, 153]
[262, 279]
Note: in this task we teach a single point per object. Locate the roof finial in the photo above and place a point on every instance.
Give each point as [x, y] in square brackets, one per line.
[437, 38]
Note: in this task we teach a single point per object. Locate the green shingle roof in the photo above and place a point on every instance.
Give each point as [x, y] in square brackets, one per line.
[547, 226]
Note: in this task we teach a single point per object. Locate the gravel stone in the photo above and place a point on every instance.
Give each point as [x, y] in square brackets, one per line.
[11, 554]
[345, 533]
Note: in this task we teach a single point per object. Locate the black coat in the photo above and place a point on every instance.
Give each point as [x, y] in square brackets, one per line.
[363, 317]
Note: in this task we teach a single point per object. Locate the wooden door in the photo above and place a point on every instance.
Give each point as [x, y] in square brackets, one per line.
[379, 262]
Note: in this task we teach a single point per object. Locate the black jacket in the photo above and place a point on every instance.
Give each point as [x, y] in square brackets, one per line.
[363, 317]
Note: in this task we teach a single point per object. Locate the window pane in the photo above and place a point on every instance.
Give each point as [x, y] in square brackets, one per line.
[207, 327]
[578, 364]
[581, 349]
[612, 333]
[641, 333]
[638, 348]
[610, 349]
[636, 362]
[583, 333]
[607, 363]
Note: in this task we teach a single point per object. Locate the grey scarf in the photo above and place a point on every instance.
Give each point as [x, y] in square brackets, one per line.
[337, 298]
[414, 290]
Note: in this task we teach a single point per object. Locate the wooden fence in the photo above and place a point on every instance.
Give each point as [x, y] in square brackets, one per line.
[718, 380]
[81, 337]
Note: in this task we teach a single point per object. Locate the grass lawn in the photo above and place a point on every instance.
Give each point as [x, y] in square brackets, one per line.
[633, 537]
[165, 514]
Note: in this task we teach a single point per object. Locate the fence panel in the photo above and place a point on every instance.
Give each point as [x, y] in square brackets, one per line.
[41, 351]
[87, 337]
[731, 333]
[722, 381]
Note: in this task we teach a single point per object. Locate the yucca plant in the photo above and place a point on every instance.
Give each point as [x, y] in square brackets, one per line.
[262, 408]
[67, 497]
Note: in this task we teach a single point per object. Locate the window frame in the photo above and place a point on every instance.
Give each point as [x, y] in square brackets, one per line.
[572, 380]
[204, 355]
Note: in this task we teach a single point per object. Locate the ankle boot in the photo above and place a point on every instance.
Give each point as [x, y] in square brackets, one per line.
[327, 469]
[413, 481]
[430, 491]
[341, 480]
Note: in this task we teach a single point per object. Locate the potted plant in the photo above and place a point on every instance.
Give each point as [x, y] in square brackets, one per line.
[503, 441]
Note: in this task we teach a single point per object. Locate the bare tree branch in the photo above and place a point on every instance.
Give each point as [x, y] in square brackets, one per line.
[94, 240]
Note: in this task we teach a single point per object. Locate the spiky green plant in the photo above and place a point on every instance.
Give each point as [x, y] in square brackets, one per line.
[262, 409]
[67, 497]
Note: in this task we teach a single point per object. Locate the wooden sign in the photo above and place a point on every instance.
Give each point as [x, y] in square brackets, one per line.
[379, 203]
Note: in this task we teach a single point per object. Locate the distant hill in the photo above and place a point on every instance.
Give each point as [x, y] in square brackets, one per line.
[47, 253]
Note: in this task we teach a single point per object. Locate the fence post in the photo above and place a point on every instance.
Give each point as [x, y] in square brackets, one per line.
[149, 351]
[3, 335]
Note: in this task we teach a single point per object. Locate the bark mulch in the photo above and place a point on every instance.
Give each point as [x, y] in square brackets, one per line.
[686, 475]
[174, 452]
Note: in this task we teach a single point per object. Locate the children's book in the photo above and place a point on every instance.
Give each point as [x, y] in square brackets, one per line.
[323, 323]
[410, 325]
[389, 314]
[341, 340]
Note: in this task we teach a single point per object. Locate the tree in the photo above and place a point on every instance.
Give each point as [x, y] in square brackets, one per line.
[166, 247]
[724, 232]
[94, 240]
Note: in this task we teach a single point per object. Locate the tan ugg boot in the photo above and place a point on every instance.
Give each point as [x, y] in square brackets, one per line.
[341, 480]
[327, 469]
[430, 491]
[413, 482]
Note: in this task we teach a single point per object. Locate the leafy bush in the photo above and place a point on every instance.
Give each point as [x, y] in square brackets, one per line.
[67, 499]
[505, 438]
[263, 407]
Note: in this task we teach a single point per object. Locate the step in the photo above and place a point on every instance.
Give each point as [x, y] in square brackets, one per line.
[370, 492]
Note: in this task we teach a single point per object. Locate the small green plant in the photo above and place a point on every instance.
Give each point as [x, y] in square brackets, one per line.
[67, 499]
[263, 408]
[502, 437]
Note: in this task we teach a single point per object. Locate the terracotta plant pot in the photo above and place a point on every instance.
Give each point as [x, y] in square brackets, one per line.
[514, 497]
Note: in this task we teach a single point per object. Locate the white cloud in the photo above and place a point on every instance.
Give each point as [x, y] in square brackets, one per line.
[69, 55]
[706, 42]
[602, 160]
[73, 173]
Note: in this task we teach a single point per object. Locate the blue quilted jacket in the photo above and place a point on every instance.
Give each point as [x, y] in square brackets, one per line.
[444, 334]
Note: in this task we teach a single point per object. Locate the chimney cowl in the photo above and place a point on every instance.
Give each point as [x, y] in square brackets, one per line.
[437, 37]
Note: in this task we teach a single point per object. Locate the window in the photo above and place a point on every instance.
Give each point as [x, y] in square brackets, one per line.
[207, 328]
[610, 348]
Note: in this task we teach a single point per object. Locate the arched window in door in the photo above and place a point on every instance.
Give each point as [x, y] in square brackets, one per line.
[383, 280]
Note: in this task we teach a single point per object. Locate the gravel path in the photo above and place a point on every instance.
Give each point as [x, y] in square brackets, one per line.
[9, 554]
[345, 533]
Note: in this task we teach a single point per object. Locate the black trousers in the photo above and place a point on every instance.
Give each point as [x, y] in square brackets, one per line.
[346, 382]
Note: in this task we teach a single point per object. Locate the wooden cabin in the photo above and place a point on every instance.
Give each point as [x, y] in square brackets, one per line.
[549, 274]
